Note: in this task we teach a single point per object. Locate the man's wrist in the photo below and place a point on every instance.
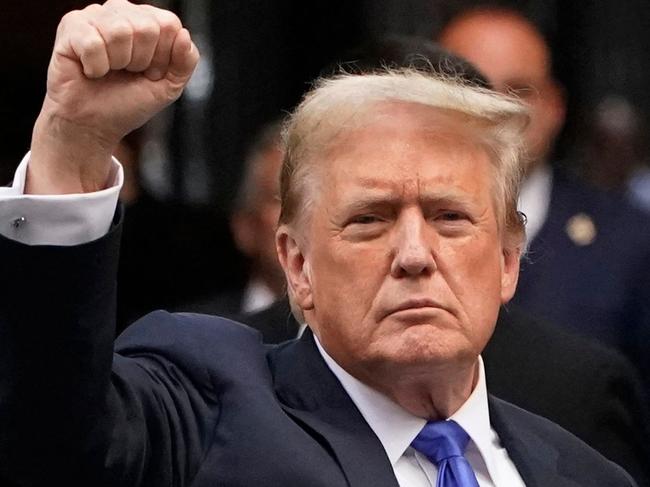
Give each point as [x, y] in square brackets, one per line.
[67, 158]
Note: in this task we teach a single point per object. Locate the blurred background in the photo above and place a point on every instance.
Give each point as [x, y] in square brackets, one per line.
[258, 59]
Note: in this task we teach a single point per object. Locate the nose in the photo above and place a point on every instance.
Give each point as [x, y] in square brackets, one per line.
[413, 252]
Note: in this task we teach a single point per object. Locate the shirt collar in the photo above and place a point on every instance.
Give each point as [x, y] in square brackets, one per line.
[396, 428]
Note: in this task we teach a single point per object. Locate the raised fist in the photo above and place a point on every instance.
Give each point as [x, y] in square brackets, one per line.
[113, 67]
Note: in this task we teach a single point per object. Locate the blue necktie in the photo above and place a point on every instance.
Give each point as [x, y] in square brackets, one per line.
[444, 443]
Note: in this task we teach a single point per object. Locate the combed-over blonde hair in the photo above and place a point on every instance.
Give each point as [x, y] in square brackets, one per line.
[334, 103]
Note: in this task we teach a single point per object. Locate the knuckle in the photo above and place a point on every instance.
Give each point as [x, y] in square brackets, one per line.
[92, 8]
[70, 16]
[169, 22]
[90, 45]
[148, 31]
[119, 32]
[69, 19]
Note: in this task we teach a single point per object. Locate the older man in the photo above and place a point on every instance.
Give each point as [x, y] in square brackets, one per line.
[399, 238]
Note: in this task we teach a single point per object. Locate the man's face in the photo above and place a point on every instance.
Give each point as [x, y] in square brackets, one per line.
[515, 59]
[403, 263]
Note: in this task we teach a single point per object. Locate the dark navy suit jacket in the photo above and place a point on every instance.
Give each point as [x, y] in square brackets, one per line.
[195, 400]
[600, 289]
[588, 389]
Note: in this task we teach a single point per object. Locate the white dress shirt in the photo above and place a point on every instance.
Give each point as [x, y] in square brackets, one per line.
[69, 219]
[79, 218]
[396, 428]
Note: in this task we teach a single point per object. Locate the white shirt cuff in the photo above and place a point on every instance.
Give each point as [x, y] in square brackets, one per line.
[69, 219]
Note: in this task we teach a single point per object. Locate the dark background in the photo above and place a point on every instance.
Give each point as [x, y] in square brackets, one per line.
[262, 55]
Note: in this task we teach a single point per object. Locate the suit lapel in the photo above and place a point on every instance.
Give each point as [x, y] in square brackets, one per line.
[535, 459]
[309, 392]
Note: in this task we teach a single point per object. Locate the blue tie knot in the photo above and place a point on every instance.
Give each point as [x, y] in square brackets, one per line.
[444, 444]
[441, 440]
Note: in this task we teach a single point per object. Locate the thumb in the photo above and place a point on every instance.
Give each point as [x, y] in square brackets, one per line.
[184, 58]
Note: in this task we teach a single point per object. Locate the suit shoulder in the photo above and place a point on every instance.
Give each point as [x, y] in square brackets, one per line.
[531, 439]
[195, 342]
[536, 337]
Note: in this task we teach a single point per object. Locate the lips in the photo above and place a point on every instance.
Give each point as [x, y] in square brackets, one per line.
[414, 304]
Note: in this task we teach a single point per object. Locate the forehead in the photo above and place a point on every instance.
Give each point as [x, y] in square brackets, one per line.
[399, 147]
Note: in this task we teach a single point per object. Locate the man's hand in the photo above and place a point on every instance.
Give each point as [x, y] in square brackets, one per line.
[113, 67]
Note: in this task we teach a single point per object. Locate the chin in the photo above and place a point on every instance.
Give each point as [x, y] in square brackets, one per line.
[428, 345]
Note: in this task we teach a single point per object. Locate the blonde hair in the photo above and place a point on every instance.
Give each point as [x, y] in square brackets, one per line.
[334, 102]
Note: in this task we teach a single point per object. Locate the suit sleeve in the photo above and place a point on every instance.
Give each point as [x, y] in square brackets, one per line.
[72, 412]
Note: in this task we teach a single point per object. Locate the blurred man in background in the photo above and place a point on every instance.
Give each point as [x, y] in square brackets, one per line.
[589, 252]
[253, 223]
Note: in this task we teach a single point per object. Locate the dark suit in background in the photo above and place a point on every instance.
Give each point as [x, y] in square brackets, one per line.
[588, 389]
[588, 269]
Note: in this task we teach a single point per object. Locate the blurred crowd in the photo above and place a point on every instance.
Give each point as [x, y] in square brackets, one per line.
[199, 232]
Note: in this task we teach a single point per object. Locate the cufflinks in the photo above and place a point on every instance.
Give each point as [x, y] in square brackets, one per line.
[17, 223]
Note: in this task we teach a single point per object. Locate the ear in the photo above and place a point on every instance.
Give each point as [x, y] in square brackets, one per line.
[296, 268]
[509, 272]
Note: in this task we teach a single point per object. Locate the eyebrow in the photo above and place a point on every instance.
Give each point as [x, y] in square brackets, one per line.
[389, 198]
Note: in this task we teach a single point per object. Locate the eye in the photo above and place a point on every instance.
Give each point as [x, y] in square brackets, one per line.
[365, 227]
[365, 219]
[451, 216]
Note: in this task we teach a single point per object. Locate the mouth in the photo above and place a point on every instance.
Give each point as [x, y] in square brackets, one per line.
[416, 305]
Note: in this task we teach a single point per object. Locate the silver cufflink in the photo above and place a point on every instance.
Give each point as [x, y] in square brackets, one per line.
[18, 222]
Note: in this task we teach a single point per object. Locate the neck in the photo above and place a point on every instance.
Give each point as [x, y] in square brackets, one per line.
[432, 394]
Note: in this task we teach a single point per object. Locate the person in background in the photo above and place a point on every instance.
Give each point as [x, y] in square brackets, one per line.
[253, 223]
[614, 151]
[171, 252]
[588, 257]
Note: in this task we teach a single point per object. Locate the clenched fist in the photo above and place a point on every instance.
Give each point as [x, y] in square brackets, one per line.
[113, 67]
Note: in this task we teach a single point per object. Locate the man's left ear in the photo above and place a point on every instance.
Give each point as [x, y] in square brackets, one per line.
[295, 266]
[509, 272]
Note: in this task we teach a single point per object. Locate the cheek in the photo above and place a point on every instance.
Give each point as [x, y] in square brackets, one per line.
[474, 273]
[345, 282]
[350, 273]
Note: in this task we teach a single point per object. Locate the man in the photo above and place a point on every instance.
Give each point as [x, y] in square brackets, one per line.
[253, 223]
[399, 238]
[586, 388]
[588, 252]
